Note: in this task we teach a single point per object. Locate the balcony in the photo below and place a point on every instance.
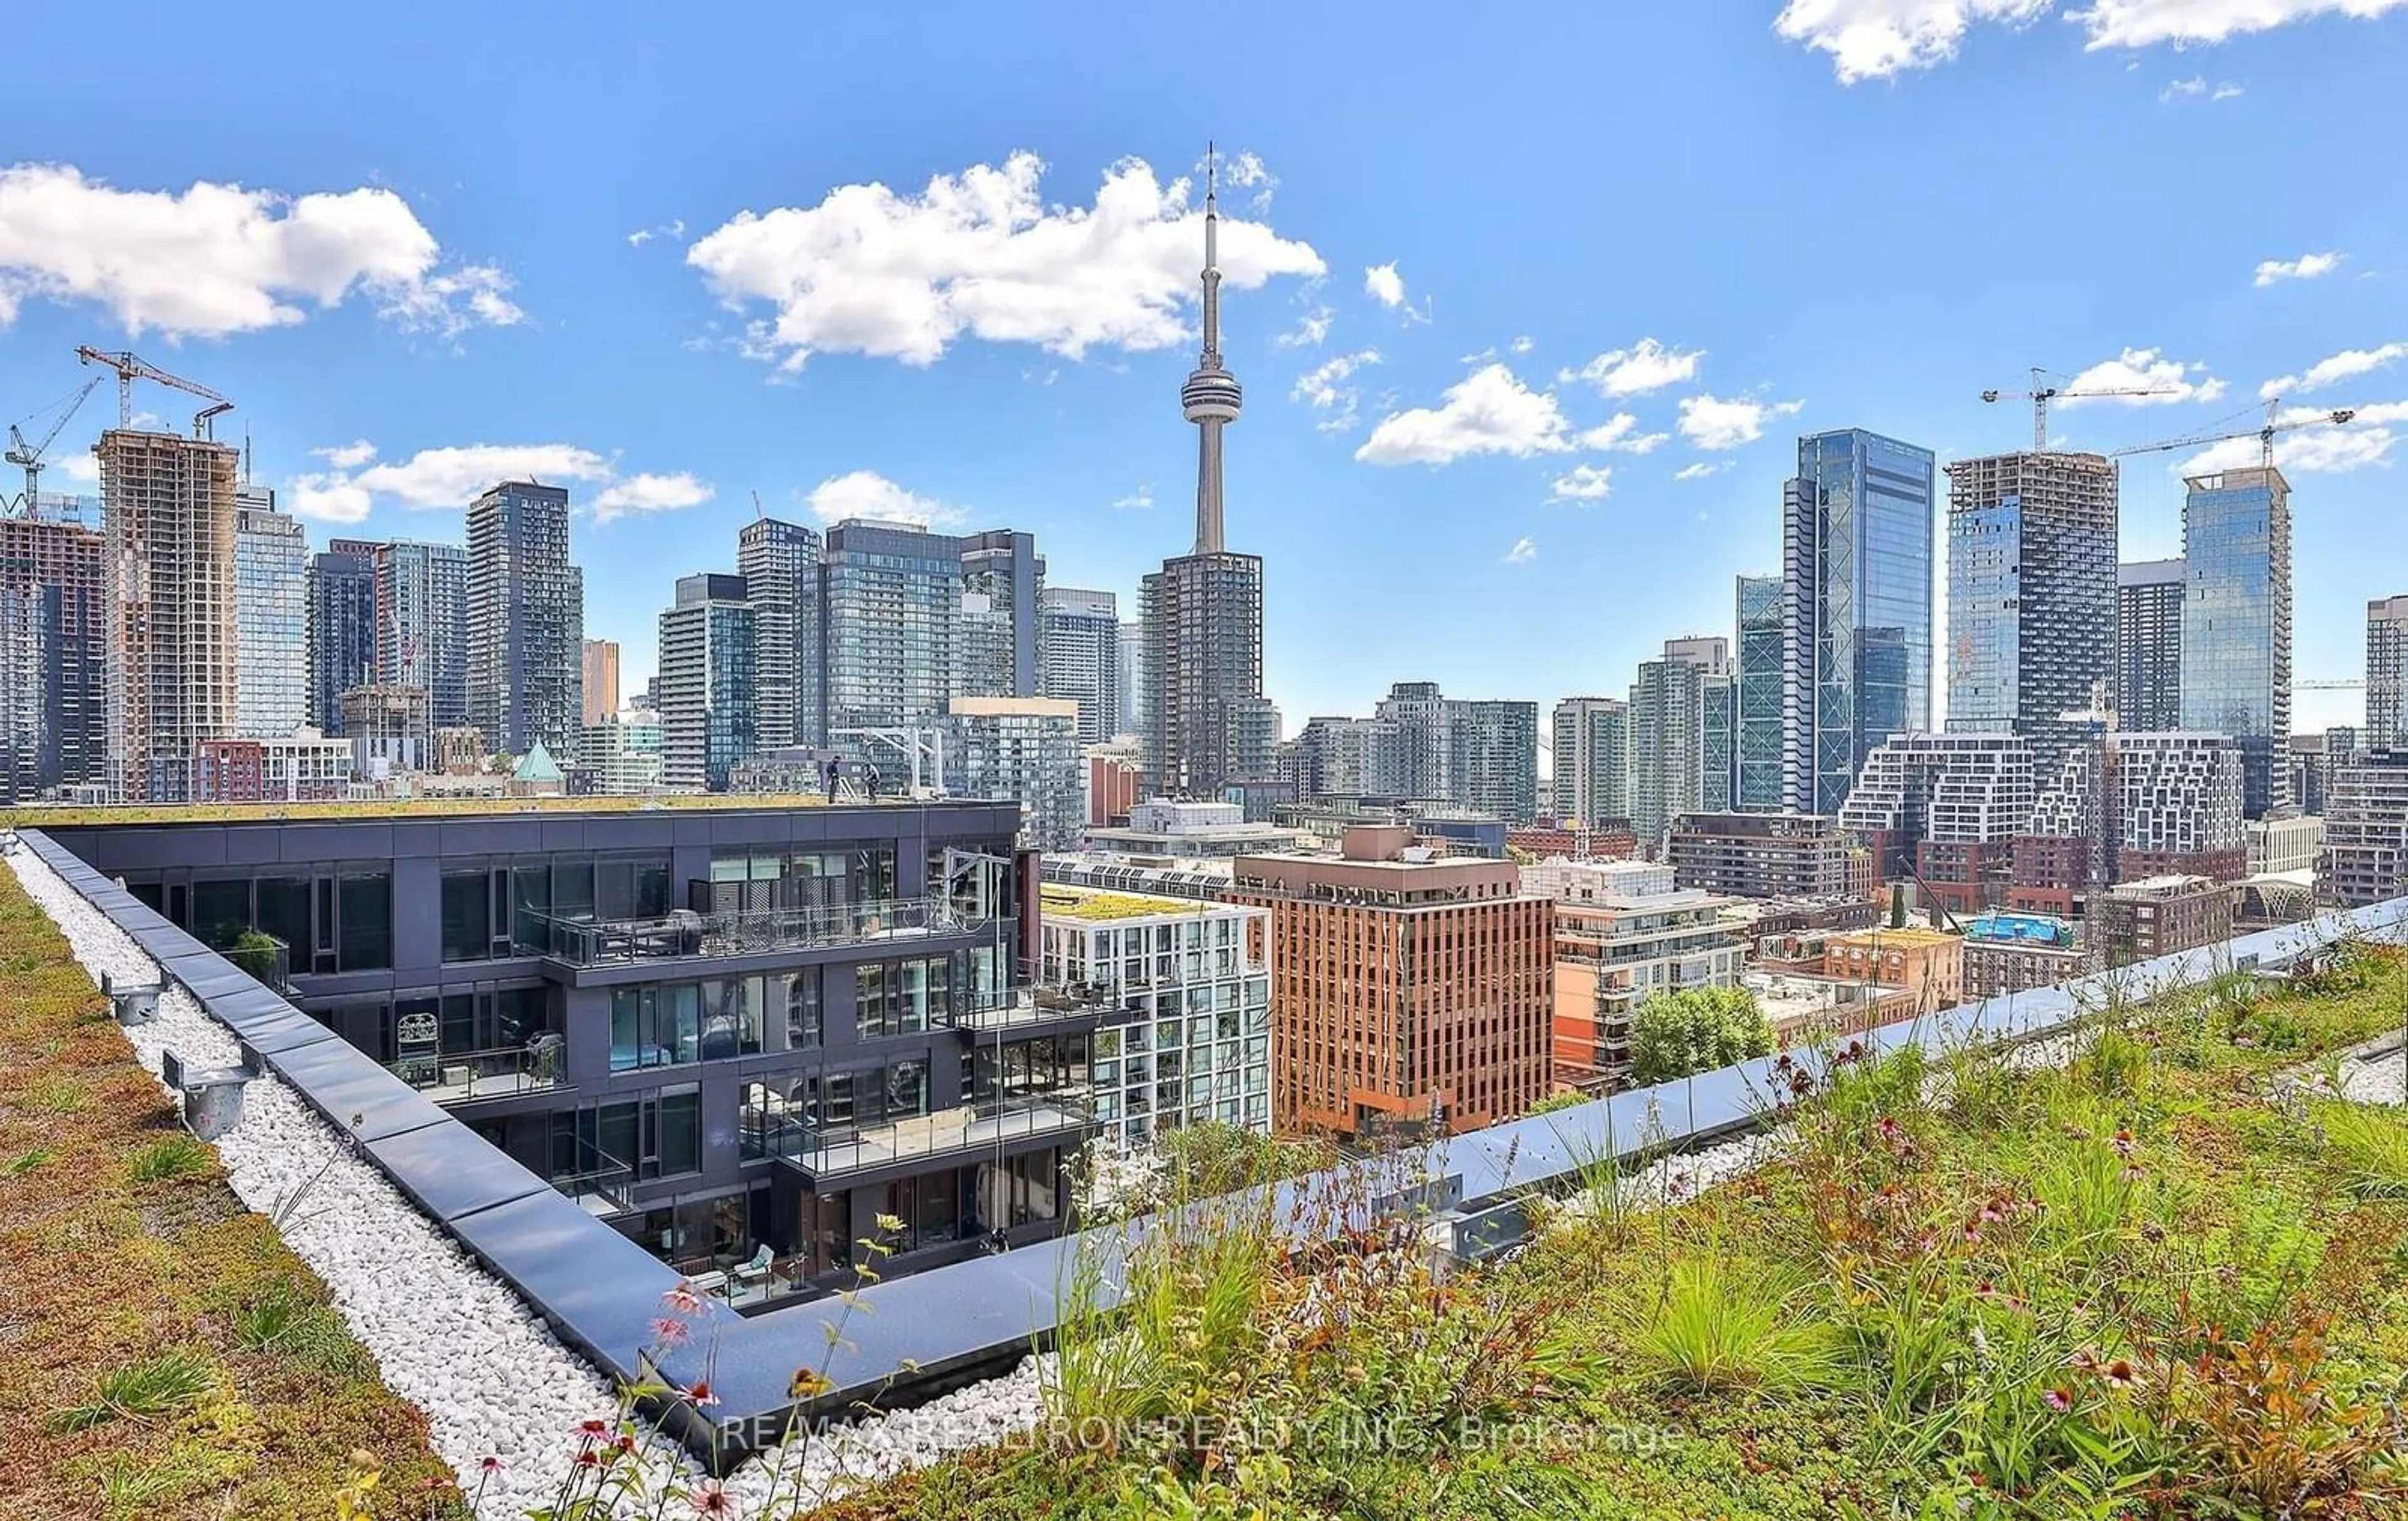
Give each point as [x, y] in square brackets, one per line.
[773, 1129]
[685, 934]
[599, 1183]
[1078, 1007]
[266, 959]
[466, 1077]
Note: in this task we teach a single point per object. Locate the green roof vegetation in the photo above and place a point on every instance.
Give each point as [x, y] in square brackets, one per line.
[46, 816]
[1067, 903]
[165, 1356]
[2161, 1279]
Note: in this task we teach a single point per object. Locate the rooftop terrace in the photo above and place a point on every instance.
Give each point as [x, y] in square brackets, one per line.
[1069, 903]
[61, 815]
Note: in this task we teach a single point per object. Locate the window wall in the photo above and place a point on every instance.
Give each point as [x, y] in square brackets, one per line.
[667, 1024]
[340, 921]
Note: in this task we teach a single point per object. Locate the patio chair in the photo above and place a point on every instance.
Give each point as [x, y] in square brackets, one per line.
[755, 1272]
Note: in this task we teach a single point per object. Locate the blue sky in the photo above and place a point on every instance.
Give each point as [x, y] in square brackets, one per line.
[527, 228]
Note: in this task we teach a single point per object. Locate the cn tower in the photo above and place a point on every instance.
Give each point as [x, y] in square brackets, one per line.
[1210, 398]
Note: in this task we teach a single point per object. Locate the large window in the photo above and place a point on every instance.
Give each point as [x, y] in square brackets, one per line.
[902, 997]
[929, 1208]
[365, 936]
[283, 912]
[656, 1026]
[467, 916]
[221, 910]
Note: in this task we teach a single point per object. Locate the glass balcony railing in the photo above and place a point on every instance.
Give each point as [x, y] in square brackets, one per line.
[599, 1183]
[268, 961]
[773, 1130]
[687, 935]
[1023, 1006]
[465, 1077]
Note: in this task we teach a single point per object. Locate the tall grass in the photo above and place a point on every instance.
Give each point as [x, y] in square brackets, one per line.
[1723, 1324]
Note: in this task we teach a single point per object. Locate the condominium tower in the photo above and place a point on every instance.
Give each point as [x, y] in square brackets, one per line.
[1079, 643]
[1857, 589]
[601, 694]
[890, 610]
[271, 642]
[423, 624]
[2236, 616]
[1591, 745]
[1667, 736]
[339, 629]
[2149, 644]
[171, 670]
[1761, 679]
[2386, 667]
[707, 692]
[54, 647]
[2032, 595]
[526, 621]
[779, 562]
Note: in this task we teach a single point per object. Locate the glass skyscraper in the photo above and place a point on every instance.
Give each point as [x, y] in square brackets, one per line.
[1756, 786]
[271, 651]
[342, 627]
[1857, 592]
[2236, 624]
[890, 598]
[526, 622]
[707, 696]
[779, 562]
[2031, 596]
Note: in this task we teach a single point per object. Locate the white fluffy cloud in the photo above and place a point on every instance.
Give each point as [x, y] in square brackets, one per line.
[1619, 434]
[2326, 450]
[2347, 364]
[1701, 470]
[2141, 24]
[2306, 267]
[1714, 422]
[1381, 283]
[1524, 550]
[349, 457]
[1245, 170]
[1871, 39]
[214, 260]
[866, 494]
[434, 480]
[644, 492]
[82, 466]
[1325, 388]
[980, 253]
[1489, 411]
[1583, 483]
[1645, 366]
[2166, 380]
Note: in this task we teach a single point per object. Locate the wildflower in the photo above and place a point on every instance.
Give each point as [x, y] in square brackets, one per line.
[2059, 1400]
[2119, 1372]
[1856, 1052]
[683, 1300]
[2083, 1361]
[1991, 1214]
[1887, 1130]
[625, 1442]
[1783, 1062]
[668, 1331]
[701, 1395]
[711, 1499]
[589, 1458]
[2134, 1174]
[2122, 1143]
[594, 1429]
[1972, 1231]
[807, 1384]
[490, 1466]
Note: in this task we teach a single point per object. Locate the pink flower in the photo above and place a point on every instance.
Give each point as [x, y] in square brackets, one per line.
[592, 1430]
[1991, 1214]
[1887, 1130]
[701, 1395]
[683, 1298]
[2059, 1400]
[666, 1330]
[490, 1466]
[712, 1499]
[1972, 1231]
[2122, 1143]
[589, 1458]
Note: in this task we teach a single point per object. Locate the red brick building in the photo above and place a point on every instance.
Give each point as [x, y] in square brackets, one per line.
[1406, 987]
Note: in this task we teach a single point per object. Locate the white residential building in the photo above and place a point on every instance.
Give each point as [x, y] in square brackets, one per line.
[625, 751]
[1624, 933]
[1191, 982]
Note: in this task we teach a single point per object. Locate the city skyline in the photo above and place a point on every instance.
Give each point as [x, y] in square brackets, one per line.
[496, 340]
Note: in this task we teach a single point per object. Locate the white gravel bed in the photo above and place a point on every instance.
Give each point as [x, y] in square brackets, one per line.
[448, 1337]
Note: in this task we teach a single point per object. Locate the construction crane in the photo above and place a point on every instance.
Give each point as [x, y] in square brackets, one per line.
[131, 367]
[29, 455]
[2264, 434]
[2041, 394]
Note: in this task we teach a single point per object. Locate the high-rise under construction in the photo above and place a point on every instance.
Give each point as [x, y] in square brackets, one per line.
[170, 530]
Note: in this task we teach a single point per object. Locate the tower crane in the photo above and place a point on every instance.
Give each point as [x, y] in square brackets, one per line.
[2041, 394]
[2263, 434]
[29, 455]
[131, 367]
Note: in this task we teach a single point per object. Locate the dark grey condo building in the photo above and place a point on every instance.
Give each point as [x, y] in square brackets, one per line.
[734, 1033]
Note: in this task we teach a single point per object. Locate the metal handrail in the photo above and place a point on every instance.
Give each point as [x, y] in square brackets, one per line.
[498, 1072]
[585, 943]
[829, 1149]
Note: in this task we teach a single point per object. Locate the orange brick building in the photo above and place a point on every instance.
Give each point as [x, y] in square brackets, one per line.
[1405, 986]
[1918, 970]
